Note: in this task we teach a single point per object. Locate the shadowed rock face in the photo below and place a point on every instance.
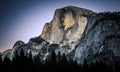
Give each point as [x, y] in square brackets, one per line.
[68, 25]
[101, 39]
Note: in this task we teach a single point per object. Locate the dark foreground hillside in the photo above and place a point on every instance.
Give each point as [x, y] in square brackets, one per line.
[56, 63]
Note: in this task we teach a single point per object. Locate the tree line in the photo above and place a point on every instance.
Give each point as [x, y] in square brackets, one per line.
[55, 63]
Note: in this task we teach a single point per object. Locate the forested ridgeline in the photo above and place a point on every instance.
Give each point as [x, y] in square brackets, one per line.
[56, 63]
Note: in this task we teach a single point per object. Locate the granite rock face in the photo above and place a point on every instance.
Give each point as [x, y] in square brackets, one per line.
[79, 33]
[68, 25]
[101, 39]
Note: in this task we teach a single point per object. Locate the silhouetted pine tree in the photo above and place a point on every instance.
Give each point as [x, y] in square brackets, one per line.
[52, 63]
[117, 66]
[53, 57]
[1, 62]
[6, 64]
[85, 66]
[64, 59]
[58, 58]
[0, 59]
[38, 65]
[6, 61]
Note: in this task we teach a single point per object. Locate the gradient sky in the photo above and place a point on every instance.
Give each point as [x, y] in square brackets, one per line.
[24, 19]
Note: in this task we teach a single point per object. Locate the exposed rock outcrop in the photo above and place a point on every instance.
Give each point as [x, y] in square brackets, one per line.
[79, 33]
[68, 25]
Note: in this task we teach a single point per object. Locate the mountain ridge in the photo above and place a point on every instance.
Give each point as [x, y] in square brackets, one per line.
[79, 33]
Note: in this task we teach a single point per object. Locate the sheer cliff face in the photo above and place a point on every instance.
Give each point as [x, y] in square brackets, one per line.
[68, 25]
[79, 33]
[101, 39]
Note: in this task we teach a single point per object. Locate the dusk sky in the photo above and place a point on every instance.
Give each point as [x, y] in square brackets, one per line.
[24, 19]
